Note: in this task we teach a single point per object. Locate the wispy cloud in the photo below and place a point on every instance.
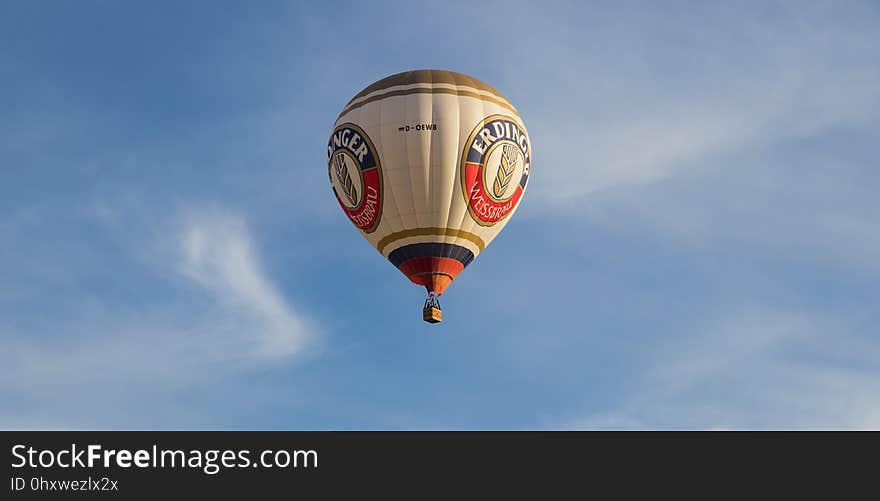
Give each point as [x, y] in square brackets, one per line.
[682, 95]
[746, 132]
[759, 370]
[217, 253]
[225, 316]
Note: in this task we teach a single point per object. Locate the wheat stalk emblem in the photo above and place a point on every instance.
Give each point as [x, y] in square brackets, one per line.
[509, 159]
[345, 180]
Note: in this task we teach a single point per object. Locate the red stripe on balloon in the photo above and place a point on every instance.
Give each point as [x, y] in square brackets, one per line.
[434, 273]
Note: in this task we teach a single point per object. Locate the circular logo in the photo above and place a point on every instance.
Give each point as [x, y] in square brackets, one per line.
[495, 168]
[356, 175]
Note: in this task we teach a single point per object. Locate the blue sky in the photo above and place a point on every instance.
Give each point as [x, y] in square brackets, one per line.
[699, 247]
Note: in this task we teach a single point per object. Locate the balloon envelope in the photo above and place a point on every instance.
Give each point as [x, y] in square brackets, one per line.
[429, 166]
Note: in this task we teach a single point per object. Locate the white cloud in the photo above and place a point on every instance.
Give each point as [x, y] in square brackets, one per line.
[712, 129]
[221, 316]
[217, 253]
[684, 93]
[758, 370]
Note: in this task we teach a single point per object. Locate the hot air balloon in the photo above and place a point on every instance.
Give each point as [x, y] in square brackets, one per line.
[429, 166]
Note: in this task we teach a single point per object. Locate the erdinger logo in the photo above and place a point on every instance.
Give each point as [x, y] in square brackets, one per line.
[356, 175]
[495, 168]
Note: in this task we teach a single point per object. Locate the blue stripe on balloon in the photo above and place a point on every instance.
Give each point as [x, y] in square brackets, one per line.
[433, 249]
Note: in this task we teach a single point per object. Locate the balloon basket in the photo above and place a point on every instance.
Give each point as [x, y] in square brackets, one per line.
[432, 315]
[432, 312]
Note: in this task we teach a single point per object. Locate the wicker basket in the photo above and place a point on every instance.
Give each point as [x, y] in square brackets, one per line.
[432, 315]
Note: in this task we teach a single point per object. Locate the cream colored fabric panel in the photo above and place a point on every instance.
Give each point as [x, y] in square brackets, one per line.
[417, 110]
[473, 112]
[397, 173]
[444, 160]
[368, 118]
